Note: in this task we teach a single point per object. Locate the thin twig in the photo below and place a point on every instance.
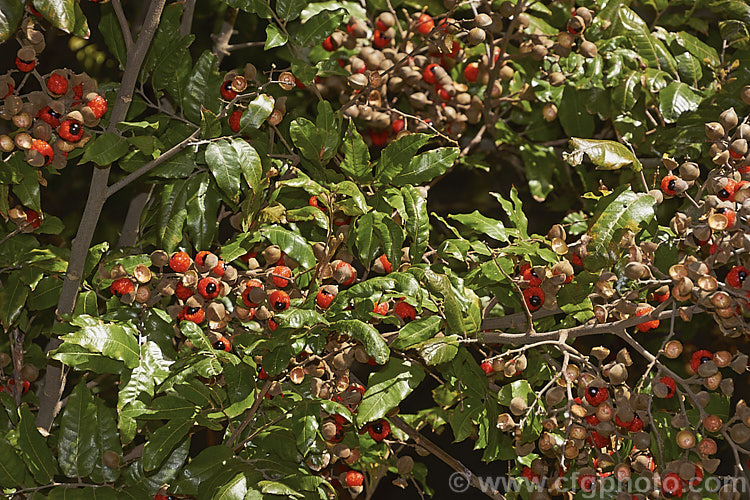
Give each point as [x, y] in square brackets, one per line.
[250, 413]
[186, 23]
[124, 26]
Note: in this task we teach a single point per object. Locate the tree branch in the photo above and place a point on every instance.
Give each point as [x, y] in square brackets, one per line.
[221, 40]
[129, 234]
[144, 169]
[54, 381]
[124, 26]
[445, 457]
[187, 17]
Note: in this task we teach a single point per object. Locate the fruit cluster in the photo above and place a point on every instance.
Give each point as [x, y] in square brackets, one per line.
[426, 73]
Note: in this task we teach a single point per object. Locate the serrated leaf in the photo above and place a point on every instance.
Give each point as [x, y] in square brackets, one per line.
[77, 436]
[606, 155]
[257, 112]
[675, 99]
[105, 149]
[387, 387]
[34, 450]
[114, 340]
[163, 441]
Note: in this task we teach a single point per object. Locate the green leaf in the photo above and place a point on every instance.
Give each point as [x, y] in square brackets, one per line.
[572, 113]
[210, 125]
[417, 331]
[275, 37]
[152, 370]
[12, 469]
[77, 436]
[628, 24]
[438, 350]
[252, 169]
[259, 7]
[105, 149]
[27, 190]
[483, 225]
[312, 141]
[34, 450]
[114, 340]
[224, 163]
[109, 27]
[208, 463]
[202, 208]
[463, 417]
[622, 209]
[675, 99]
[202, 88]
[689, 67]
[289, 10]
[292, 244]
[318, 27]
[356, 163]
[195, 334]
[417, 222]
[257, 112]
[516, 389]
[387, 387]
[107, 439]
[606, 155]
[11, 12]
[398, 155]
[63, 14]
[82, 360]
[539, 163]
[427, 166]
[172, 214]
[514, 211]
[365, 333]
[700, 50]
[163, 441]
[305, 426]
[625, 94]
[12, 299]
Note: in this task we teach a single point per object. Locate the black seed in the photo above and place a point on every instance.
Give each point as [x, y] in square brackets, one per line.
[279, 305]
[535, 301]
[723, 194]
[377, 427]
[593, 391]
[211, 288]
[219, 345]
[741, 275]
[74, 128]
[670, 185]
[193, 310]
[228, 85]
[53, 113]
[706, 359]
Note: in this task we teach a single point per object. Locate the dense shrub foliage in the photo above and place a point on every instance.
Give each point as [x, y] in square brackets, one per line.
[283, 315]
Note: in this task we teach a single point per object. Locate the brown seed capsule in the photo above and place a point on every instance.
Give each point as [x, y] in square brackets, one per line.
[618, 374]
[739, 433]
[728, 119]
[159, 258]
[518, 406]
[588, 49]
[476, 36]
[556, 79]
[738, 148]
[685, 439]
[712, 423]
[506, 73]
[549, 112]
[286, 81]
[111, 459]
[714, 131]
[673, 349]
[405, 464]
